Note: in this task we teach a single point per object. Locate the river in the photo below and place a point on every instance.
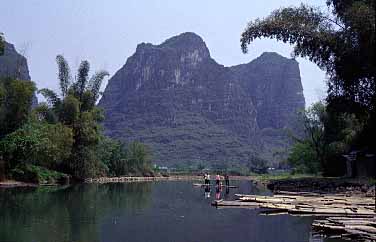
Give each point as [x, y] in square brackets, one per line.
[164, 211]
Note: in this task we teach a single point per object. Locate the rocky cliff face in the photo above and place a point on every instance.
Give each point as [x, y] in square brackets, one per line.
[12, 64]
[188, 108]
[275, 88]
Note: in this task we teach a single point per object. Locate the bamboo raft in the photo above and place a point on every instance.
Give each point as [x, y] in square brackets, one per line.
[139, 179]
[351, 228]
[349, 216]
[213, 185]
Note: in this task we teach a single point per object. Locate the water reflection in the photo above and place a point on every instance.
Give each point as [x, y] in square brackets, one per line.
[227, 193]
[70, 214]
[207, 192]
[218, 191]
[139, 212]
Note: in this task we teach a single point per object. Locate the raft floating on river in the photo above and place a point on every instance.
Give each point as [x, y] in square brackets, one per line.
[204, 185]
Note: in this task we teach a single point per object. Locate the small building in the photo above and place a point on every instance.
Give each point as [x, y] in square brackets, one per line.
[360, 164]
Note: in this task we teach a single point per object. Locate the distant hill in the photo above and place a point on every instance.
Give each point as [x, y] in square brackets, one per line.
[188, 108]
[13, 64]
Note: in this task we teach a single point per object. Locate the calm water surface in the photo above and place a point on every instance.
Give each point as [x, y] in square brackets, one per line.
[160, 212]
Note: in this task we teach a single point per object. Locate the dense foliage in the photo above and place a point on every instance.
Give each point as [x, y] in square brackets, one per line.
[63, 134]
[38, 143]
[119, 159]
[15, 104]
[340, 41]
[328, 135]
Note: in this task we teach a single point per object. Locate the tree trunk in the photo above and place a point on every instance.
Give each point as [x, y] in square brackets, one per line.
[349, 168]
[2, 170]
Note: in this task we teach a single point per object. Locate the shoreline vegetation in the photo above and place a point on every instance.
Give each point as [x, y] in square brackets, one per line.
[275, 183]
[61, 140]
[122, 179]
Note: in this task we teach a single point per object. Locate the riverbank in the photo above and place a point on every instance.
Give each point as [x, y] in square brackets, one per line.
[13, 183]
[323, 185]
[123, 179]
[157, 178]
[291, 183]
[298, 183]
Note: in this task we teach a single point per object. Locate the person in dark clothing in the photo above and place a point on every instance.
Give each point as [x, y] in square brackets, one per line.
[207, 191]
[227, 180]
[217, 180]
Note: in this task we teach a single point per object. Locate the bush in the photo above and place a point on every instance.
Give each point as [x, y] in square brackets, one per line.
[257, 165]
[15, 104]
[138, 158]
[37, 174]
[37, 143]
[303, 158]
[112, 155]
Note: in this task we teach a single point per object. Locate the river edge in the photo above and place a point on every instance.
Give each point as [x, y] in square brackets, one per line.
[274, 184]
[125, 179]
[159, 178]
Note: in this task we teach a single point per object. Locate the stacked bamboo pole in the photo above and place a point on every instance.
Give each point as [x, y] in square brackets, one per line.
[352, 228]
[350, 216]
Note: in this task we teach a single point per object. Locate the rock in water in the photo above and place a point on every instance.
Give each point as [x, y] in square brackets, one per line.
[13, 64]
[188, 108]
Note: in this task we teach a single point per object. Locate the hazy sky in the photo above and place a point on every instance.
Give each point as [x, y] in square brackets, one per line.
[107, 32]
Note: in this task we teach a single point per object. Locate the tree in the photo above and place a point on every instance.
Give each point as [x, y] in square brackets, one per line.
[15, 104]
[138, 157]
[37, 143]
[85, 90]
[113, 155]
[76, 108]
[257, 165]
[304, 158]
[340, 41]
[314, 126]
[327, 135]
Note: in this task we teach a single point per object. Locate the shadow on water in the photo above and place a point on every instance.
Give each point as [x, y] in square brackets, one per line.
[139, 212]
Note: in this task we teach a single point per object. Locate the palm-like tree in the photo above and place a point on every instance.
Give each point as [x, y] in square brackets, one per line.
[75, 107]
[82, 88]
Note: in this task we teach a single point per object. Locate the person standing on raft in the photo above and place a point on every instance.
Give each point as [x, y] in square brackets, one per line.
[206, 177]
[227, 180]
[218, 180]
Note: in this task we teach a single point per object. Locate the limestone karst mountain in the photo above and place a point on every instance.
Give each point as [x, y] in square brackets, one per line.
[13, 64]
[188, 108]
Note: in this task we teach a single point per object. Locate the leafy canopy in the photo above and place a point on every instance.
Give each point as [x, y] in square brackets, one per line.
[15, 104]
[327, 135]
[85, 90]
[76, 108]
[340, 40]
[37, 143]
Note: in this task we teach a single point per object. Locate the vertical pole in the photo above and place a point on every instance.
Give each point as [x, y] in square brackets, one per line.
[2, 169]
